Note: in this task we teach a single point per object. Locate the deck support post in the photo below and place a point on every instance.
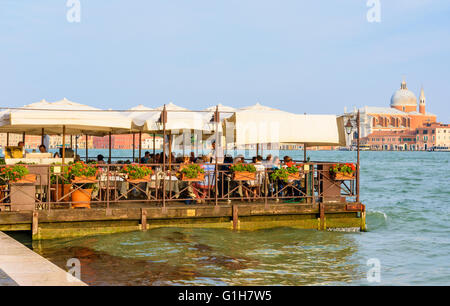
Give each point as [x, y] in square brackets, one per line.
[235, 217]
[35, 224]
[143, 219]
[322, 225]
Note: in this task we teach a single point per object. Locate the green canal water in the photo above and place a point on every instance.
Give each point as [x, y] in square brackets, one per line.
[407, 196]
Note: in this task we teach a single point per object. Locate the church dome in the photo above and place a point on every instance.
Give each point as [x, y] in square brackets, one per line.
[403, 97]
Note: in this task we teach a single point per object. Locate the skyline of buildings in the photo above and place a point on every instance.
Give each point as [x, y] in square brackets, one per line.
[404, 125]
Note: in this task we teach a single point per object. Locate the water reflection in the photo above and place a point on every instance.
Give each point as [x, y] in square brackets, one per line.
[169, 256]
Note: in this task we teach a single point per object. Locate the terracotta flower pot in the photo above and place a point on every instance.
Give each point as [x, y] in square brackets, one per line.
[82, 197]
[62, 191]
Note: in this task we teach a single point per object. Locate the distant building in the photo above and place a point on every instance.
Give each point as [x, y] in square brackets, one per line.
[402, 115]
[428, 136]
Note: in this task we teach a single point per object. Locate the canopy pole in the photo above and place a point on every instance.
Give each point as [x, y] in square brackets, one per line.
[23, 138]
[140, 146]
[154, 141]
[64, 144]
[71, 142]
[357, 169]
[86, 145]
[134, 145]
[109, 146]
[216, 119]
[163, 119]
[257, 149]
[42, 136]
[7, 139]
[76, 146]
[304, 152]
[170, 149]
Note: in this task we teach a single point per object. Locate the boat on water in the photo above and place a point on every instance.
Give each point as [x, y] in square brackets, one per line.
[439, 149]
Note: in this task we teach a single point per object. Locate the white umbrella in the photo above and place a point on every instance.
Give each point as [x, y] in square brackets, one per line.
[260, 124]
[179, 119]
[52, 116]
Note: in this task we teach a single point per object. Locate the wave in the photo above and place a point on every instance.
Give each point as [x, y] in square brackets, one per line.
[376, 219]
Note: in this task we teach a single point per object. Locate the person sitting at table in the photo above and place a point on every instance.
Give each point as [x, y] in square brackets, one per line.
[100, 159]
[203, 188]
[21, 145]
[56, 155]
[192, 157]
[255, 185]
[145, 159]
[42, 149]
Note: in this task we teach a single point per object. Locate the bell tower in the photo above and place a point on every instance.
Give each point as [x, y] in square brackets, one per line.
[422, 102]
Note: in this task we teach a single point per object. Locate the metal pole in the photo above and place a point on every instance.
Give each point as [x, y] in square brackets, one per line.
[154, 141]
[304, 152]
[140, 146]
[64, 144]
[216, 119]
[109, 143]
[42, 136]
[358, 160]
[86, 147]
[7, 139]
[76, 146]
[134, 145]
[163, 119]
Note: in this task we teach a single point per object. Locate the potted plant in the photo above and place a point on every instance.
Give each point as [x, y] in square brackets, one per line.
[17, 174]
[342, 172]
[192, 172]
[59, 176]
[243, 172]
[291, 173]
[83, 176]
[137, 173]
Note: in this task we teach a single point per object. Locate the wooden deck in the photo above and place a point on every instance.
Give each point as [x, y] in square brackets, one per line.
[58, 223]
[21, 266]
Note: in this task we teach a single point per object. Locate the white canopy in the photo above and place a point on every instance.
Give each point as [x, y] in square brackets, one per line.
[178, 119]
[261, 124]
[52, 116]
[138, 114]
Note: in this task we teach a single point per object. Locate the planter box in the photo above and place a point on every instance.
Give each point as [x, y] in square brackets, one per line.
[244, 176]
[200, 177]
[294, 177]
[63, 189]
[353, 207]
[23, 193]
[145, 179]
[27, 179]
[84, 179]
[343, 176]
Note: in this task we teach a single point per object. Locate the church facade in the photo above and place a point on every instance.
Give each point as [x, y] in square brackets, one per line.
[403, 115]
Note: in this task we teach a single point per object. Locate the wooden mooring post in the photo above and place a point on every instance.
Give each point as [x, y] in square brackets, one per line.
[143, 219]
[35, 223]
[235, 217]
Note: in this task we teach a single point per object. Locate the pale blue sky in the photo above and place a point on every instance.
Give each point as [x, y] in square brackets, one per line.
[303, 56]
